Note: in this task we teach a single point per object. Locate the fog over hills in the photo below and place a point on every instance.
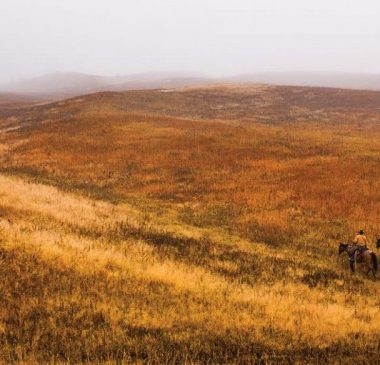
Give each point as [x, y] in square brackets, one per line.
[360, 81]
[68, 84]
[16, 100]
[60, 83]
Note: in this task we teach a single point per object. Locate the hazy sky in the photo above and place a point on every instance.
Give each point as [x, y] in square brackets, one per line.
[216, 37]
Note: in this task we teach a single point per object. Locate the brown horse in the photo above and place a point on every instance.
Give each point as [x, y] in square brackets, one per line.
[366, 257]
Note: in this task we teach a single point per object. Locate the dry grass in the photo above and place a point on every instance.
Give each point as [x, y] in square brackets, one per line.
[131, 233]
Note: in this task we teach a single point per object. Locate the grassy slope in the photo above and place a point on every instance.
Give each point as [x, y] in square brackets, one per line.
[176, 239]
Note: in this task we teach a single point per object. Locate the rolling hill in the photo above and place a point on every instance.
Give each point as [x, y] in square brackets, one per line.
[189, 226]
[357, 81]
[10, 100]
[68, 84]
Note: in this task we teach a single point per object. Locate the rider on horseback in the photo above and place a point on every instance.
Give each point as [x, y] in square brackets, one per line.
[359, 245]
[359, 253]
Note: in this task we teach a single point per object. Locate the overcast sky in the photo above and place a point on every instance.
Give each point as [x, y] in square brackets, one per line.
[212, 37]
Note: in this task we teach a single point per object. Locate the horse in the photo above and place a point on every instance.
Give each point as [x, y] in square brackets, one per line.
[367, 257]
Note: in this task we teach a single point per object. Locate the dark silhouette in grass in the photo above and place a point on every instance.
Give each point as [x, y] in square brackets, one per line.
[366, 257]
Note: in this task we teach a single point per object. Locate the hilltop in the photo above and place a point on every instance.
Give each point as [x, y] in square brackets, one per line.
[345, 80]
[11, 101]
[62, 85]
[189, 225]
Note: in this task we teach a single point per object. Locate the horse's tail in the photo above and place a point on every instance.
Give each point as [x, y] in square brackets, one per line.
[374, 261]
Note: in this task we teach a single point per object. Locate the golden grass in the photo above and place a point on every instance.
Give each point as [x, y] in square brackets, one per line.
[43, 222]
[149, 238]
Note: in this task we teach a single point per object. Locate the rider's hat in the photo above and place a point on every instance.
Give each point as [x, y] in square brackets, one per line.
[361, 232]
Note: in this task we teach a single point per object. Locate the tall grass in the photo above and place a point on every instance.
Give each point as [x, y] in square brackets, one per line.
[136, 237]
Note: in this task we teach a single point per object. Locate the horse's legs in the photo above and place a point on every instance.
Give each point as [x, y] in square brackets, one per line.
[352, 266]
[353, 261]
[371, 269]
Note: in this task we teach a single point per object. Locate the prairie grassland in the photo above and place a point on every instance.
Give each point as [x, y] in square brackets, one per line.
[131, 233]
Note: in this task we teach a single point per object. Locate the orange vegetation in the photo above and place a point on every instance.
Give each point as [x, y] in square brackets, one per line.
[222, 208]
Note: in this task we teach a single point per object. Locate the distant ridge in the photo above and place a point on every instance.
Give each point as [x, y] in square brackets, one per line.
[356, 81]
[11, 100]
[68, 84]
[57, 84]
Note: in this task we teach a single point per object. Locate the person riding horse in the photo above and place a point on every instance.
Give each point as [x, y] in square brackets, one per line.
[359, 245]
[358, 252]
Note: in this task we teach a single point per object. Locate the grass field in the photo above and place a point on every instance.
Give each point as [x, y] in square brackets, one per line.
[193, 226]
